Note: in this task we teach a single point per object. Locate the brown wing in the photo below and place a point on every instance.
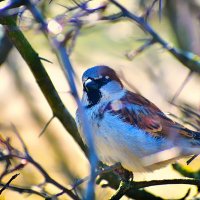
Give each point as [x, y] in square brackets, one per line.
[138, 111]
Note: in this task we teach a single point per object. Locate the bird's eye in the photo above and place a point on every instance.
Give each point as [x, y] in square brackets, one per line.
[107, 77]
[92, 84]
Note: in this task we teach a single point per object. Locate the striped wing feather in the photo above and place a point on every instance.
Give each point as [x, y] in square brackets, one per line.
[136, 110]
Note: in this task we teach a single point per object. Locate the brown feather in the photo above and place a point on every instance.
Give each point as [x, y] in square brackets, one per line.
[148, 117]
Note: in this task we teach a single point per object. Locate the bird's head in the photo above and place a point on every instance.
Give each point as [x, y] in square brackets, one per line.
[99, 83]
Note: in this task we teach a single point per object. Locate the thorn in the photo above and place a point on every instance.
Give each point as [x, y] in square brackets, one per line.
[44, 59]
[191, 159]
[46, 125]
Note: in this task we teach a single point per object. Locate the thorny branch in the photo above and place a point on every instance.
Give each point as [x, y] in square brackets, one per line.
[62, 54]
[42, 78]
[188, 59]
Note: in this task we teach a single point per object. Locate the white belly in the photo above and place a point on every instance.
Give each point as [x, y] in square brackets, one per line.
[117, 142]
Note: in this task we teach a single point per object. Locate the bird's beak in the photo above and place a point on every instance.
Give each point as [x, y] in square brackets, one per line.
[90, 84]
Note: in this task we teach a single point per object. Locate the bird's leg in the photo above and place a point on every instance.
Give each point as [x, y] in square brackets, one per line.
[124, 174]
[125, 183]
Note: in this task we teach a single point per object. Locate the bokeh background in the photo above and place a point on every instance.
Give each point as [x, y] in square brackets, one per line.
[155, 73]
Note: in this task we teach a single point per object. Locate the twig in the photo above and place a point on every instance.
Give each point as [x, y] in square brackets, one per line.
[160, 10]
[185, 121]
[134, 53]
[187, 109]
[143, 184]
[149, 10]
[186, 195]
[20, 138]
[181, 87]
[69, 73]
[188, 59]
[86, 128]
[17, 167]
[48, 178]
[191, 159]
[14, 153]
[8, 183]
[98, 173]
[24, 190]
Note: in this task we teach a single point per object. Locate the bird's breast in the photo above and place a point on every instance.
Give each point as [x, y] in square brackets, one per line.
[117, 141]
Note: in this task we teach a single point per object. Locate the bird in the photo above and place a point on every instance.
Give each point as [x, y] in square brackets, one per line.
[129, 129]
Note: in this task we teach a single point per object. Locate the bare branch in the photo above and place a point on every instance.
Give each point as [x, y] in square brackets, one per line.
[98, 173]
[181, 87]
[19, 137]
[134, 53]
[191, 159]
[25, 158]
[149, 10]
[160, 10]
[8, 183]
[188, 59]
[24, 190]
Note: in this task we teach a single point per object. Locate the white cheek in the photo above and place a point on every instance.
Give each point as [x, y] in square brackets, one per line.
[111, 90]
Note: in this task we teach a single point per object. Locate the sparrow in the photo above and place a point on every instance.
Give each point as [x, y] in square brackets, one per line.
[129, 129]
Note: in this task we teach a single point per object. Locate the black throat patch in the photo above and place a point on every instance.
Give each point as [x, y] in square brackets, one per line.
[94, 97]
[94, 94]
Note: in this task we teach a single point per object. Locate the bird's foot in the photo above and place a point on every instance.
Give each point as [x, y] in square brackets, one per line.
[124, 187]
[124, 174]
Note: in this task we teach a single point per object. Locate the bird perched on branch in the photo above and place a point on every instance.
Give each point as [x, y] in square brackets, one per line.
[129, 129]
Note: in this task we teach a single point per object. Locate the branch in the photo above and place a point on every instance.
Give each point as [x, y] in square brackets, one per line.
[24, 190]
[8, 183]
[143, 184]
[187, 58]
[113, 182]
[41, 77]
[61, 52]
[133, 189]
[25, 158]
[185, 172]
